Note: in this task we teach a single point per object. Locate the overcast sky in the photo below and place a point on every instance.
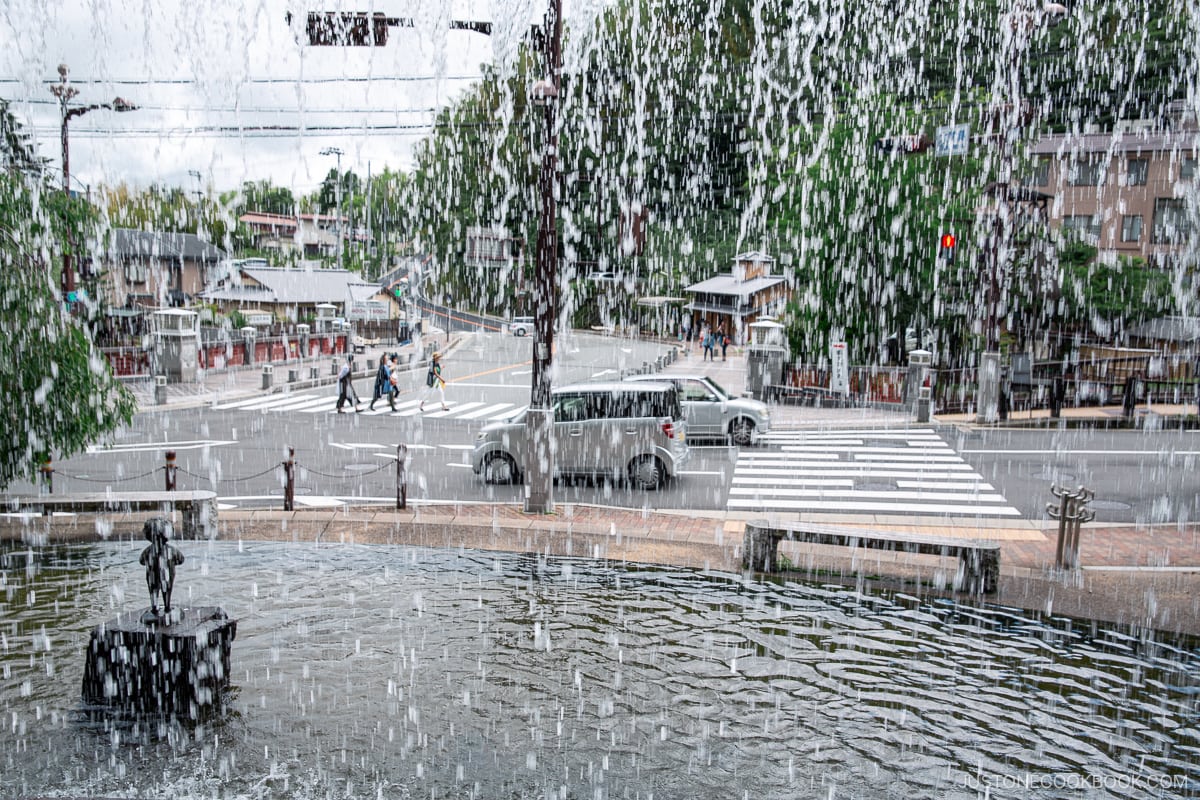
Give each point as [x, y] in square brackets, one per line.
[206, 73]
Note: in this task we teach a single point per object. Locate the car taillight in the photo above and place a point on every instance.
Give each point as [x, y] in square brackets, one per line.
[668, 428]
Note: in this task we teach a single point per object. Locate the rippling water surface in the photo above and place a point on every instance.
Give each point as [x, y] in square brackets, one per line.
[364, 672]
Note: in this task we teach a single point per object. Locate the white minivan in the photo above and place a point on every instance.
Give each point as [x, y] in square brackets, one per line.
[622, 431]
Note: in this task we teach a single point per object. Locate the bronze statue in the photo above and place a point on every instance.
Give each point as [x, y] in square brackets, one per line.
[160, 560]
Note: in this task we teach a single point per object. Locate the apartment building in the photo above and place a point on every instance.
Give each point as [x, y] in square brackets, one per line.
[1127, 191]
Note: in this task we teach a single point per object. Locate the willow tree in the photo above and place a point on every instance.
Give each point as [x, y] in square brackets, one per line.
[60, 393]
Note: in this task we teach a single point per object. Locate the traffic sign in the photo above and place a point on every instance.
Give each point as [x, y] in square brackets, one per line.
[952, 140]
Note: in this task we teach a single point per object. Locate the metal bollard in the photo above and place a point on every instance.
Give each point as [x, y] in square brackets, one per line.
[401, 476]
[289, 486]
[160, 390]
[333, 370]
[293, 375]
[169, 472]
[1070, 513]
[268, 374]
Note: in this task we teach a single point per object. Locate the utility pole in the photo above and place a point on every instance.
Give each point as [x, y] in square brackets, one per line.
[335, 151]
[65, 92]
[539, 419]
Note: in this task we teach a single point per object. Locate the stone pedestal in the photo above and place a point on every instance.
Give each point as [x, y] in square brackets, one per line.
[178, 668]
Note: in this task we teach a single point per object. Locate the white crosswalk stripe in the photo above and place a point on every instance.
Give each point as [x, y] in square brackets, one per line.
[310, 403]
[862, 471]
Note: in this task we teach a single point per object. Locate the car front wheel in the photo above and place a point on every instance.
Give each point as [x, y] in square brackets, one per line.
[500, 468]
[741, 431]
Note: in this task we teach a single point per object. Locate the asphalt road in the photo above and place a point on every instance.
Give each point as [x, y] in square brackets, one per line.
[236, 448]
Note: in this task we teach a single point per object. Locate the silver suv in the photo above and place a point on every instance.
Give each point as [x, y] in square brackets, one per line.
[712, 411]
[614, 430]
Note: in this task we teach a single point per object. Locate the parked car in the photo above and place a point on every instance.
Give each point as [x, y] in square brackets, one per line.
[712, 411]
[636, 432]
[521, 326]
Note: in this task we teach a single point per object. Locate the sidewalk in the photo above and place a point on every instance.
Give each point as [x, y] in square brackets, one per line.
[1144, 576]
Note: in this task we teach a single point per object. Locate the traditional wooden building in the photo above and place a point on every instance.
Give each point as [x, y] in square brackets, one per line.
[730, 302]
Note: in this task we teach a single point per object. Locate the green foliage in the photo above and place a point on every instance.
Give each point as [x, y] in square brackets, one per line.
[865, 223]
[746, 126]
[60, 393]
[1105, 299]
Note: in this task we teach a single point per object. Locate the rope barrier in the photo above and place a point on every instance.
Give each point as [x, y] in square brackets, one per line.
[108, 480]
[380, 468]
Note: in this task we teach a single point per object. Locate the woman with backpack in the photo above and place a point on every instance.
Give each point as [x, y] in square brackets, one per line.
[435, 383]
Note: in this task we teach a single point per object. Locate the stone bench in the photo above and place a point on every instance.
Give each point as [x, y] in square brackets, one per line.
[979, 561]
[198, 508]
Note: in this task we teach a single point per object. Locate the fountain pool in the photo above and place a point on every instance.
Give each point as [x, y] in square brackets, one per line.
[395, 672]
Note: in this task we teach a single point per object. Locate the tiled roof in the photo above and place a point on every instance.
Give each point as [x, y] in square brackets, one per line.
[1134, 142]
[131, 243]
[726, 285]
[297, 286]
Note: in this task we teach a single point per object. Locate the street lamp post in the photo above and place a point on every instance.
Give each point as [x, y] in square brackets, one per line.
[65, 92]
[362, 29]
[539, 419]
[335, 151]
[1019, 24]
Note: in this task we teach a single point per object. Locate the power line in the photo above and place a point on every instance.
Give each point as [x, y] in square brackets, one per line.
[257, 81]
[251, 109]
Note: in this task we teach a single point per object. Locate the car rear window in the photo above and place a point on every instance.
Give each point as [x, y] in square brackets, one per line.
[618, 404]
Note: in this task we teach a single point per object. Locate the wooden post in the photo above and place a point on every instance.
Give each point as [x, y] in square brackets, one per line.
[289, 487]
[169, 471]
[401, 477]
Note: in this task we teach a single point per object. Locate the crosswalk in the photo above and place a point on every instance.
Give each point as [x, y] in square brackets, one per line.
[883, 471]
[324, 403]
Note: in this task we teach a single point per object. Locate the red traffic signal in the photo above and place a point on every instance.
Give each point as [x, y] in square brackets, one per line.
[949, 240]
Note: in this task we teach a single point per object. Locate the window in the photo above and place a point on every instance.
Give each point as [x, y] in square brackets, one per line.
[1171, 223]
[1084, 226]
[570, 408]
[1041, 173]
[1087, 173]
[696, 392]
[1135, 172]
[1187, 169]
[135, 272]
[1131, 228]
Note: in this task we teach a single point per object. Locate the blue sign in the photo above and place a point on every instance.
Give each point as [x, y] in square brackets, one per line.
[952, 140]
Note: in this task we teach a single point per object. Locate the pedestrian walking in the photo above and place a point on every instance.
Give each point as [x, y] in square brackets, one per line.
[724, 343]
[434, 382]
[383, 383]
[346, 391]
[707, 342]
[393, 387]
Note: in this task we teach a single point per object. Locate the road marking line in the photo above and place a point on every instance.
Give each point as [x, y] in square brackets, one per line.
[852, 494]
[486, 410]
[868, 506]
